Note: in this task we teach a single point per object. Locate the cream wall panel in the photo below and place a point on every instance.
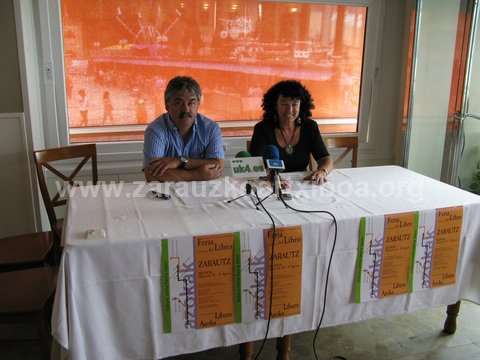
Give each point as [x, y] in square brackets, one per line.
[16, 205]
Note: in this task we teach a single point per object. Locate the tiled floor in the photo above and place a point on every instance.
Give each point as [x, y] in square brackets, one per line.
[414, 336]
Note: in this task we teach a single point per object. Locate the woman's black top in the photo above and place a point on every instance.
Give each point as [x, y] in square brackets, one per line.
[310, 142]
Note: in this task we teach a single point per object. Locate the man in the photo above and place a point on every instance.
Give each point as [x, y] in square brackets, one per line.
[182, 145]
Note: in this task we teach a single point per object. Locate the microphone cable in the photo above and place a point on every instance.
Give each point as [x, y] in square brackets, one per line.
[271, 275]
[262, 200]
[328, 267]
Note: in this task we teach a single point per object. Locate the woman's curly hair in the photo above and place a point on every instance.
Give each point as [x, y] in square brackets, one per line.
[287, 88]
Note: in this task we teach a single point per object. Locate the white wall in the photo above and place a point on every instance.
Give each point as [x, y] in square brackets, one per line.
[387, 97]
[16, 206]
[431, 91]
[10, 90]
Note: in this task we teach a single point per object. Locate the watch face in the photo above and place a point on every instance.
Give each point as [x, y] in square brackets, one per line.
[184, 161]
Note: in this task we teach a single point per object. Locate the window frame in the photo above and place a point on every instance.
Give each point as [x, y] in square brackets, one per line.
[53, 90]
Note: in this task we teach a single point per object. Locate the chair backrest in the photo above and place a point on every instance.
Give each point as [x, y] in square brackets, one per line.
[44, 158]
[347, 143]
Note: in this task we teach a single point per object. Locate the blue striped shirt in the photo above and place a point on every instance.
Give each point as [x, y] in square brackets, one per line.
[162, 139]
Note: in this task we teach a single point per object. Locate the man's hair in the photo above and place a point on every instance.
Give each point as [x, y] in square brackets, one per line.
[291, 89]
[182, 83]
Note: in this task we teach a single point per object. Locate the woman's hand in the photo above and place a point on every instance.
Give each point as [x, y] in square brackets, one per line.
[318, 177]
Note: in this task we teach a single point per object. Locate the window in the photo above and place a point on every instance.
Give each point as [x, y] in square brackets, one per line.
[119, 54]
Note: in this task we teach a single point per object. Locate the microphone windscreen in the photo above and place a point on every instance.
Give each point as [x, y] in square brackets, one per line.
[271, 152]
[243, 154]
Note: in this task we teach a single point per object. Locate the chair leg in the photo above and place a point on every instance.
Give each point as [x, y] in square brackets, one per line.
[55, 254]
[58, 249]
[284, 345]
[246, 350]
[450, 325]
[44, 334]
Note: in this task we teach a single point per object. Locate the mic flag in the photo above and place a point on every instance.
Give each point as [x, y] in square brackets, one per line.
[246, 165]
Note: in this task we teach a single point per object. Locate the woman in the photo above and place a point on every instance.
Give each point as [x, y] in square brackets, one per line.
[287, 124]
[107, 108]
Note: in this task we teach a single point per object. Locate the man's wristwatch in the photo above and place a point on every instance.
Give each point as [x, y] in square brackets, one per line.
[183, 162]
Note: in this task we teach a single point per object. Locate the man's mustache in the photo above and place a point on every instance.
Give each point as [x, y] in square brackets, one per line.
[184, 114]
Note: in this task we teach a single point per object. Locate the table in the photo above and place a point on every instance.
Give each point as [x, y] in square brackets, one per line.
[108, 305]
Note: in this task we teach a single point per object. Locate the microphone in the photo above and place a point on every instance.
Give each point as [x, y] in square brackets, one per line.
[271, 156]
[243, 154]
[271, 152]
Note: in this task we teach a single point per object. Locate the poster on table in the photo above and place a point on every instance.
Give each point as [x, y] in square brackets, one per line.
[198, 281]
[437, 246]
[221, 279]
[385, 256]
[287, 271]
[401, 253]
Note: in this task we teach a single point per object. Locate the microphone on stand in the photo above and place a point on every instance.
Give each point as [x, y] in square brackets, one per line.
[274, 164]
[248, 191]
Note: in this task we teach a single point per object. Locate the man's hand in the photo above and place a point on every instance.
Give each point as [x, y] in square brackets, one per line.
[159, 166]
[209, 171]
[318, 177]
[168, 169]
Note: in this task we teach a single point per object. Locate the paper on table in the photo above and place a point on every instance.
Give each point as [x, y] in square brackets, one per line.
[214, 278]
[445, 252]
[400, 231]
[407, 252]
[385, 256]
[287, 271]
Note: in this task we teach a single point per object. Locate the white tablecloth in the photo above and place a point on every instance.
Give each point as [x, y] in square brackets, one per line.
[108, 304]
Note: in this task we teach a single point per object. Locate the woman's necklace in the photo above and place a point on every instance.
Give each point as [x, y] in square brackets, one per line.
[289, 148]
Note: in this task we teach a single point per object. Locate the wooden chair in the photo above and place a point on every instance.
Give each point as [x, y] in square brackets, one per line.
[27, 297]
[347, 143]
[43, 160]
[26, 251]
